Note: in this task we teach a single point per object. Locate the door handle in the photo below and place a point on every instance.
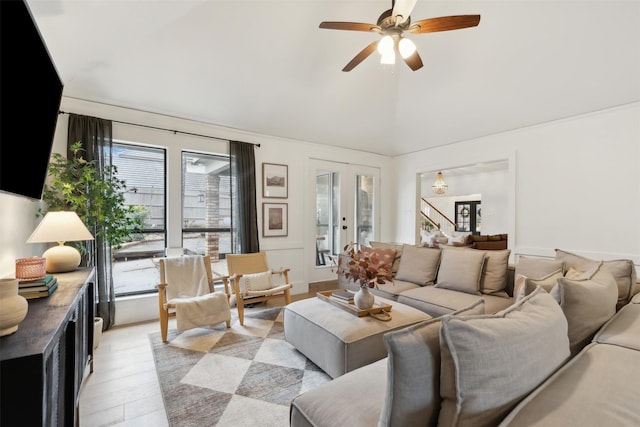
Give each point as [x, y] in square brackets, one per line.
[344, 227]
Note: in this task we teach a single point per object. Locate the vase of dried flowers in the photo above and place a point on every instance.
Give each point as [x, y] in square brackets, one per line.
[367, 267]
[363, 299]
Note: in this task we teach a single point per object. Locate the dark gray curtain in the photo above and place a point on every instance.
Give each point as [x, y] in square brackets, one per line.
[95, 135]
[245, 216]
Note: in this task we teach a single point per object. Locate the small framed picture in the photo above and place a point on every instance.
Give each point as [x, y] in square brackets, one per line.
[274, 219]
[275, 181]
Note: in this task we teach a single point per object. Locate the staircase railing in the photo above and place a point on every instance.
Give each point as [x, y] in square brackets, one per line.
[431, 215]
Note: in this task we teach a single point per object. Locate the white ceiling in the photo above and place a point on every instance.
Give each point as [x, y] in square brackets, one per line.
[265, 66]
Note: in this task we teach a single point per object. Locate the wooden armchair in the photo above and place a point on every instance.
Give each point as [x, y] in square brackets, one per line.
[188, 280]
[251, 280]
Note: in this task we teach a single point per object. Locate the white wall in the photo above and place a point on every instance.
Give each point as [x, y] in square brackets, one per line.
[294, 251]
[572, 184]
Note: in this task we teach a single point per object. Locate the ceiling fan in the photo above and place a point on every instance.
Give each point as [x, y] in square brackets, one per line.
[391, 25]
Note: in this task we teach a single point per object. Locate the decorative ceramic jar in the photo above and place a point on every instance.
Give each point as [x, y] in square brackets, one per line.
[363, 299]
[13, 307]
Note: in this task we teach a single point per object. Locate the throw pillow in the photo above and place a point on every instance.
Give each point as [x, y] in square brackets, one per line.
[397, 248]
[384, 257]
[256, 282]
[587, 302]
[572, 273]
[490, 362]
[418, 265]
[413, 372]
[538, 268]
[430, 238]
[458, 238]
[460, 270]
[546, 282]
[494, 275]
[623, 271]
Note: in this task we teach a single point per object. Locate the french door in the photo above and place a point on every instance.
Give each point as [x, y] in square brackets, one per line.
[343, 199]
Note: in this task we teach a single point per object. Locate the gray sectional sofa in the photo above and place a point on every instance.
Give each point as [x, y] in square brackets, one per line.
[441, 281]
[565, 352]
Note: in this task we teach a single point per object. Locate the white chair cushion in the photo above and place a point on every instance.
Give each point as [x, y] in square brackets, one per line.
[256, 282]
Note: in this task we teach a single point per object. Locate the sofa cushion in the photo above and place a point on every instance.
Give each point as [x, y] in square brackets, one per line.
[390, 289]
[439, 301]
[493, 280]
[418, 265]
[396, 247]
[587, 303]
[598, 387]
[334, 403]
[413, 378]
[490, 362]
[452, 276]
[623, 329]
[623, 271]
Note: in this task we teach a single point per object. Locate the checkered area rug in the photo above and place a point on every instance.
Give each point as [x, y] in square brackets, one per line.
[241, 376]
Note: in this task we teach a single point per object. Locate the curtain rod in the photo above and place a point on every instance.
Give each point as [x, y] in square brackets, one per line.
[169, 130]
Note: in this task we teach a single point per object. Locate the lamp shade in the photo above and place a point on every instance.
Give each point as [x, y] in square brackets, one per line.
[62, 226]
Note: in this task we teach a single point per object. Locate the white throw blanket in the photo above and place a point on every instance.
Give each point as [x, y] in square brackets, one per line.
[204, 310]
[188, 288]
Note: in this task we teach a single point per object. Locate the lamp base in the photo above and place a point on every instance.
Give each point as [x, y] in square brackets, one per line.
[61, 259]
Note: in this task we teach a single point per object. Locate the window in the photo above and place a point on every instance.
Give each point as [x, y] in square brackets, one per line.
[143, 170]
[206, 204]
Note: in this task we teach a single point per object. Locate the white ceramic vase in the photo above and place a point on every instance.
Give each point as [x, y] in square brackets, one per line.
[363, 299]
[13, 307]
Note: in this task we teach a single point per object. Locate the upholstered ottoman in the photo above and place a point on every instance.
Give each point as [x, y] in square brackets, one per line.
[338, 341]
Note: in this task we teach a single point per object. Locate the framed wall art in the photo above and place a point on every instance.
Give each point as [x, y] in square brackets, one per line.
[275, 181]
[274, 220]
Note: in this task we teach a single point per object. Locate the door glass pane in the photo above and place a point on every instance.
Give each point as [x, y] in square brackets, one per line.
[323, 217]
[336, 221]
[364, 209]
[463, 216]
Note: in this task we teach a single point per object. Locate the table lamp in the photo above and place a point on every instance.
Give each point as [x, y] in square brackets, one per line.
[62, 226]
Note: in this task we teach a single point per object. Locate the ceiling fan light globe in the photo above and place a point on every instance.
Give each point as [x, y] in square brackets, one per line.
[406, 47]
[388, 59]
[385, 46]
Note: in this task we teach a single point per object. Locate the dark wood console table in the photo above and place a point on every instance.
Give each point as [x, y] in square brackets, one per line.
[43, 364]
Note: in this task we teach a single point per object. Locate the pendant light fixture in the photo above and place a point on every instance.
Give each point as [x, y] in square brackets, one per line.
[439, 187]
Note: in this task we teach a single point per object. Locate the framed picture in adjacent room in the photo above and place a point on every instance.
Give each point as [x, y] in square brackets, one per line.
[274, 219]
[275, 181]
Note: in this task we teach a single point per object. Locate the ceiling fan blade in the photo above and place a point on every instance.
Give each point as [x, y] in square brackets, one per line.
[444, 23]
[413, 61]
[403, 9]
[361, 56]
[352, 26]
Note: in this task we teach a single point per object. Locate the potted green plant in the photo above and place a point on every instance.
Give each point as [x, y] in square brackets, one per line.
[76, 185]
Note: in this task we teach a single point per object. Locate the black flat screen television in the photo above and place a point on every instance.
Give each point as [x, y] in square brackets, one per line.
[30, 95]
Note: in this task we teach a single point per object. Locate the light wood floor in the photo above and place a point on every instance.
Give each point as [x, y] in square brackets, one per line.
[123, 389]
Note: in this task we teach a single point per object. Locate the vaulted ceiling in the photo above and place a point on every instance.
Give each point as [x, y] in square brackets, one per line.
[265, 66]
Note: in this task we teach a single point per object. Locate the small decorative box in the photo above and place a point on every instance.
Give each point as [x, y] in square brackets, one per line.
[33, 268]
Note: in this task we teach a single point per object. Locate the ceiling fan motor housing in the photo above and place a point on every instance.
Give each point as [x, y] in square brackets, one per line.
[387, 21]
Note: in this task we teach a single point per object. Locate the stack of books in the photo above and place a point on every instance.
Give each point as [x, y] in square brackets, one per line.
[342, 296]
[38, 288]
